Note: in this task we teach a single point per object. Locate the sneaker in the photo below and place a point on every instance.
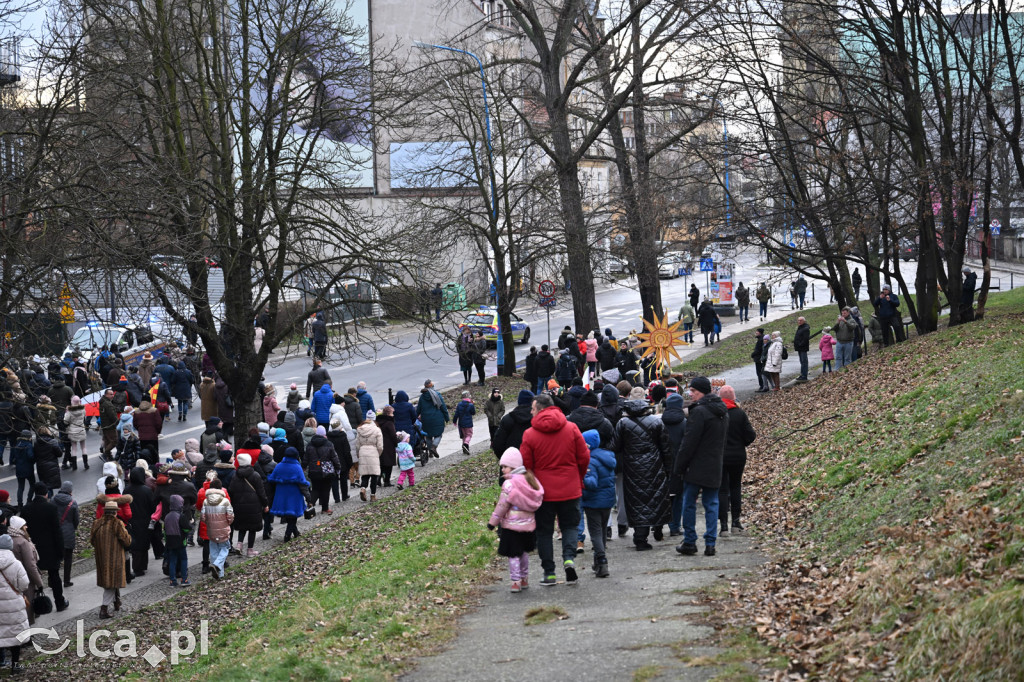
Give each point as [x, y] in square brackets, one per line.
[524, 582]
[174, 583]
[570, 572]
[549, 580]
[737, 527]
[602, 569]
[675, 533]
[516, 587]
[185, 583]
[579, 547]
[709, 550]
[18, 667]
[659, 534]
[465, 449]
[608, 534]
[251, 552]
[644, 546]
[398, 487]
[216, 572]
[724, 530]
[686, 549]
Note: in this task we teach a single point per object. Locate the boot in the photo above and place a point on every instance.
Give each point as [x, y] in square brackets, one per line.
[373, 498]
[117, 603]
[602, 568]
[104, 613]
[74, 463]
[85, 462]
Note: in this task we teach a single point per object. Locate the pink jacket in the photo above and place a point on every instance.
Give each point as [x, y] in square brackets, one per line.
[517, 504]
[591, 350]
[827, 346]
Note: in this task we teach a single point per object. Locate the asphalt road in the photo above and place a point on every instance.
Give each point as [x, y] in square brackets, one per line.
[406, 360]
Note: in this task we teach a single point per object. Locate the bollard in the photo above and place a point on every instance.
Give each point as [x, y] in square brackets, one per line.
[1011, 279]
[391, 397]
[812, 291]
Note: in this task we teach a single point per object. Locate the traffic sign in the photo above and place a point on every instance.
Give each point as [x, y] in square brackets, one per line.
[546, 288]
[995, 226]
[547, 301]
[707, 265]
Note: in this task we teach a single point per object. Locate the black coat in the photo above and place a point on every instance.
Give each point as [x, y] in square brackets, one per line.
[248, 498]
[802, 338]
[738, 437]
[706, 317]
[181, 383]
[318, 451]
[606, 356]
[675, 427]
[342, 448]
[48, 456]
[176, 485]
[643, 449]
[590, 418]
[511, 429]
[545, 364]
[758, 349]
[610, 408]
[700, 455]
[967, 289]
[530, 375]
[43, 521]
[143, 505]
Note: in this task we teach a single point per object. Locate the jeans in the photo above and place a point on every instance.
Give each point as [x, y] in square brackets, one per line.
[31, 480]
[762, 382]
[219, 553]
[803, 363]
[688, 327]
[709, 496]
[597, 519]
[568, 514]
[542, 382]
[844, 354]
[177, 560]
[581, 527]
[676, 524]
[729, 493]
[744, 313]
[764, 308]
[183, 406]
[802, 296]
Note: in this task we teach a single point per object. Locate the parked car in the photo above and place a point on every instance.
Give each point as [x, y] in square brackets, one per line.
[485, 319]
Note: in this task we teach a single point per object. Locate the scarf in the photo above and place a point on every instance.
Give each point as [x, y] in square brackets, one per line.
[435, 397]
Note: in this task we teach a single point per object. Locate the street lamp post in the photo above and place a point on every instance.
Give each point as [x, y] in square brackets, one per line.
[490, 171]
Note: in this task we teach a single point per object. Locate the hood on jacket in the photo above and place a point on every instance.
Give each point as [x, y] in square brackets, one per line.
[367, 429]
[146, 406]
[609, 395]
[549, 420]
[137, 476]
[326, 390]
[214, 496]
[713, 403]
[191, 445]
[592, 438]
[401, 397]
[637, 408]
[177, 503]
[317, 441]
[110, 469]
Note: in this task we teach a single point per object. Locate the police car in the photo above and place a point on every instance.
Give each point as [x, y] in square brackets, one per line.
[485, 319]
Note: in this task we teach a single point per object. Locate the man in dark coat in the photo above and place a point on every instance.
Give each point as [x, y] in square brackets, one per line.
[646, 462]
[588, 417]
[802, 344]
[530, 371]
[545, 369]
[758, 362]
[888, 307]
[738, 437]
[513, 425]
[674, 420]
[43, 521]
[317, 377]
[706, 318]
[249, 500]
[319, 327]
[182, 382]
[143, 505]
[699, 464]
[108, 423]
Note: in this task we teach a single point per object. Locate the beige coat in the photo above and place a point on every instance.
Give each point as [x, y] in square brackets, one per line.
[369, 445]
[13, 614]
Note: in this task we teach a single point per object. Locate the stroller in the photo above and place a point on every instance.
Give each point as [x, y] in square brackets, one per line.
[423, 447]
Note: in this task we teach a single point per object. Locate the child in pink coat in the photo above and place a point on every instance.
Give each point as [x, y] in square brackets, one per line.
[827, 346]
[521, 495]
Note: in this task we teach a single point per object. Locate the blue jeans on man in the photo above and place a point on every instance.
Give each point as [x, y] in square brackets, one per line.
[844, 354]
[803, 364]
[763, 308]
[542, 383]
[688, 328]
[709, 497]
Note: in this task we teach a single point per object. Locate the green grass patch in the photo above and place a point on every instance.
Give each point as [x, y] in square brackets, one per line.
[647, 672]
[538, 615]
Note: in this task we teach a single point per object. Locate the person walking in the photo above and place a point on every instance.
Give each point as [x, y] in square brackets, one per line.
[743, 302]
[546, 368]
[321, 403]
[756, 356]
[463, 419]
[554, 450]
[23, 458]
[290, 492]
[270, 404]
[773, 364]
[845, 330]
[699, 465]
[110, 540]
[177, 526]
[67, 511]
[530, 368]
[694, 296]
[494, 408]
[150, 425]
[217, 516]
[433, 413]
[598, 497]
[406, 461]
[856, 280]
[764, 295]
[514, 424]
[319, 328]
[323, 465]
[480, 356]
[521, 496]
[687, 316]
[249, 500]
[800, 287]
[364, 398]
[108, 423]
[317, 377]
[643, 455]
[388, 456]
[707, 317]
[43, 522]
[369, 446]
[181, 389]
[143, 506]
[464, 348]
[13, 614]
[802, 345]
[739, 435]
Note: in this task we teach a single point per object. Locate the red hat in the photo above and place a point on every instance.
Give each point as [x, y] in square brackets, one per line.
[4, 496]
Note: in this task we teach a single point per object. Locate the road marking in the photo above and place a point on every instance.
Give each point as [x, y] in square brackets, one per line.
[9, 478]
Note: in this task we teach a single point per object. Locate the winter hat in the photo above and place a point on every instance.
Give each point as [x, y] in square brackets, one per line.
[589, 399]
[567, 328]
[674, 400]
[263, 427]
[512, 458]
[321, 431]
[6, 542]
[403, 437]
[4, 496]
[40, 489]
[141, 464]
[289, 418]
[827, 330]
[304, 404]
[727, 393]
[178, 468]
[701, 384]
[291, 452]
[17, 523]
[243, 459]
[552, 384]
[109, 506]
[279, 434]
[76, 401]
[67, 487]
[371, 415]
[637, 393]
[525, 397]
[293, 386]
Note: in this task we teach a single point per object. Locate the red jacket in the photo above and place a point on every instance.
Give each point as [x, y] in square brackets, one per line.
[556, 453]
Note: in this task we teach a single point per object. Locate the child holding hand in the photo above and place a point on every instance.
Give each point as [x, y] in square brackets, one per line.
[521, 495]
[406, 460]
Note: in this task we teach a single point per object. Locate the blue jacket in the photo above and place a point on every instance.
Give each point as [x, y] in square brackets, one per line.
[181, 383]
[321, 403]
[288, 497]
[890, 308]
[464, 412]
[599, 482]
[405, 416]
[365, 401]
[23, 457]
[166, 372]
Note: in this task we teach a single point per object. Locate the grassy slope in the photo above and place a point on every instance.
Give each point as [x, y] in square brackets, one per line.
[899, 525]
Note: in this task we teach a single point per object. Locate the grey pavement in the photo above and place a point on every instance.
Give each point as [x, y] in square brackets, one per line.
[642, 616]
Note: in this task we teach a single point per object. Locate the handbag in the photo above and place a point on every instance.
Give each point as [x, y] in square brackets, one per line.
[42, 604]
[310, 511]
[28, 604]
[785, 353]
